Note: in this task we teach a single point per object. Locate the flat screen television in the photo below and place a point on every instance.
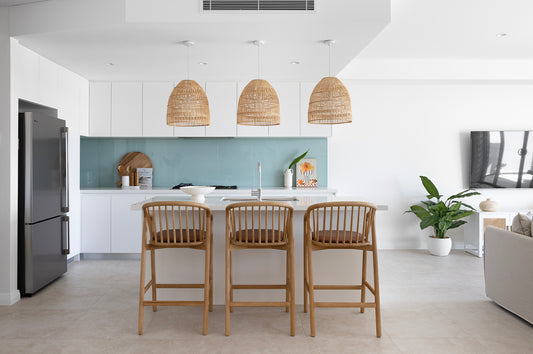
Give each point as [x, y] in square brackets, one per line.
[501, 159]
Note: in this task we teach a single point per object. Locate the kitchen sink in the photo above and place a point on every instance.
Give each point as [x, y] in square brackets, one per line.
[251, 199]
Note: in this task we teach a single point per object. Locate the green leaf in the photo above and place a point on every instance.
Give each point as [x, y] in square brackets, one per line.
[430, 187]
[468, 206]
[456, 224]
[296, 160]
[430, 221]
[419, 211]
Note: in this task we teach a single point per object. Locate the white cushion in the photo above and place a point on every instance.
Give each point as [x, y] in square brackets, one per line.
[521, 224]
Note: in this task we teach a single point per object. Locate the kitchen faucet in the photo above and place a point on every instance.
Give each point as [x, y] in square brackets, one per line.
[259, 191]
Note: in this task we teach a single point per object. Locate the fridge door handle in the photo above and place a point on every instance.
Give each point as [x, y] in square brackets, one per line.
[65, 235]
[64, 170]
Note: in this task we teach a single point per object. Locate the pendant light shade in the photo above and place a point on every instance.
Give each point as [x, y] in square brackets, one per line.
[188, 105]
[330, 103]
[258, 104]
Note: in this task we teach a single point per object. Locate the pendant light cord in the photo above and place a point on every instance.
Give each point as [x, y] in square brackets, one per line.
[259, 60]
[188, 60]
[329, 65]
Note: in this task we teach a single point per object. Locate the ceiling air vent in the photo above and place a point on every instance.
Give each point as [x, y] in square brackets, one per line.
[258, 5]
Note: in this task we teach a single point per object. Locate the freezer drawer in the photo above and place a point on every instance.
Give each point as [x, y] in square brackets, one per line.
[45, 249]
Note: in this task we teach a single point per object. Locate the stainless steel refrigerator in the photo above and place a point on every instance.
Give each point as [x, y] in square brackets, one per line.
[43, 233]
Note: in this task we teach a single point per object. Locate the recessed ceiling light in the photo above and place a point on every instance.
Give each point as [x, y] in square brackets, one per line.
[110, 64]
[295, 62]
[502, 34]
[202, 63]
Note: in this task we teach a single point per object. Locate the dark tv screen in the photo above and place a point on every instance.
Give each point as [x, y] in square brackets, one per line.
[501, 159]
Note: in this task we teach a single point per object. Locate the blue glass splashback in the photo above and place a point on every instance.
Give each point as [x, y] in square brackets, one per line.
[201, 161]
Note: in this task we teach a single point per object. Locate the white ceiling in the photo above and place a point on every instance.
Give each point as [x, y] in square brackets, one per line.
[456, 29]
[140, 38]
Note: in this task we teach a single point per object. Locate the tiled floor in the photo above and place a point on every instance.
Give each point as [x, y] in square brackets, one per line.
[429, 305]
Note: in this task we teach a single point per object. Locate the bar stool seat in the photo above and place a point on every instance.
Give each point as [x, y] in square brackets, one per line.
[176, 225]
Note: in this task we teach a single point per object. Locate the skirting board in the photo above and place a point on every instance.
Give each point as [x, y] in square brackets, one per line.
[110, 256]
[8, 299]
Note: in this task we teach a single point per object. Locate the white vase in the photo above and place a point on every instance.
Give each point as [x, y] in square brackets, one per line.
[439, 246]
[288, 178]
[488, 205]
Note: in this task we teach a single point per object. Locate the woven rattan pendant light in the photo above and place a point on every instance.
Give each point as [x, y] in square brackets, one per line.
[258, 103]
[188, 105]
[330, 101]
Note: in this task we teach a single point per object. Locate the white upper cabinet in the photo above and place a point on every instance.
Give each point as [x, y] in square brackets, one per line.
[306, 129]
[289, 102]
[126, 109]
[248, 130]
[154, 108]
[135, 109]
[223, 108]
[191, 131]
[100, 109]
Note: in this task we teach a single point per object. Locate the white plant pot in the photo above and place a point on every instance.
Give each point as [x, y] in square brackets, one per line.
[439, 246]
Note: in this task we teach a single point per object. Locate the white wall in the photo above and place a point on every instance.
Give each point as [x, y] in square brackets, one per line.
[35, 79]
[8, 194]
[403, 129]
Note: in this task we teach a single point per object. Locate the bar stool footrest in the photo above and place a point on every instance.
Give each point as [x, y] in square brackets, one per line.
[259, 304]
[345, 304]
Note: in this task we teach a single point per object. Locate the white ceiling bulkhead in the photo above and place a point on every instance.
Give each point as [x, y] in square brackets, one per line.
[139, 37]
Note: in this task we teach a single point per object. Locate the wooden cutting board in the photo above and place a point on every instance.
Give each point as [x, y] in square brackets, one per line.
[130, 162]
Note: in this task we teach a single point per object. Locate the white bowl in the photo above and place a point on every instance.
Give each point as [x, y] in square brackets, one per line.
[197, 192]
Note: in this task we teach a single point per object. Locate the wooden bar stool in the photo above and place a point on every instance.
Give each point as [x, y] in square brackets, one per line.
[176, 225]
[340, 225]
[260, 225]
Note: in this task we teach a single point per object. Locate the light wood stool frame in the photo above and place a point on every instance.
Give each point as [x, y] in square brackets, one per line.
[341, 232]
[188, 225]
[260, 225]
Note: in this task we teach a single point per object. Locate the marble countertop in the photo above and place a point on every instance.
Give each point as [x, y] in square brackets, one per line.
[244, 191]
[220, 203]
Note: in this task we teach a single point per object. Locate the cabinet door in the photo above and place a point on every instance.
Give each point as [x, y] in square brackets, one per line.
[223, 107]
[126, 224]
[289, 101]
[126, 109]
[95, 223]
[100, 109]
[192, 131]
[306, 129]
[248, 130]
[155, 99]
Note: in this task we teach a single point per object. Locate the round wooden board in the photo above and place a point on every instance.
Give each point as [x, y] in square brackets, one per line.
[132, 161]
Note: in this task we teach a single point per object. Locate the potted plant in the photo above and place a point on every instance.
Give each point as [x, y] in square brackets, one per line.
[288, 172]
[442, 215]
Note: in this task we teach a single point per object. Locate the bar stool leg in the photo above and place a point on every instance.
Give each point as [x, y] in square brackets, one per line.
[291, 282]
[287, 281]
[376, 289]
[363, 280]
[231, 280]
[305, 274]
[154, 283]
[228, 288]
[141, 290]
[311, 290]
[211, 276]
[206, 286]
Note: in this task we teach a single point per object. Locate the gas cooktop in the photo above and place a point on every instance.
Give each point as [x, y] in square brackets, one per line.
[178, 186]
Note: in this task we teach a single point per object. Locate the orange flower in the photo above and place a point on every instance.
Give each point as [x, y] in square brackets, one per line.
[306, 166]
[300, 182]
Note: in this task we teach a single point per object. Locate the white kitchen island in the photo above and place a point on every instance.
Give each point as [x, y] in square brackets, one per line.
[256, 266]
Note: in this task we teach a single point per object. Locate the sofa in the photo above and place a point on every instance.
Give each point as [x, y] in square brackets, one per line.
[509, 271]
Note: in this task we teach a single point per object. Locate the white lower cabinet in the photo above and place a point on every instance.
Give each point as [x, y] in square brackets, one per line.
[126, 224]
[108, 225]
[95, 223]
